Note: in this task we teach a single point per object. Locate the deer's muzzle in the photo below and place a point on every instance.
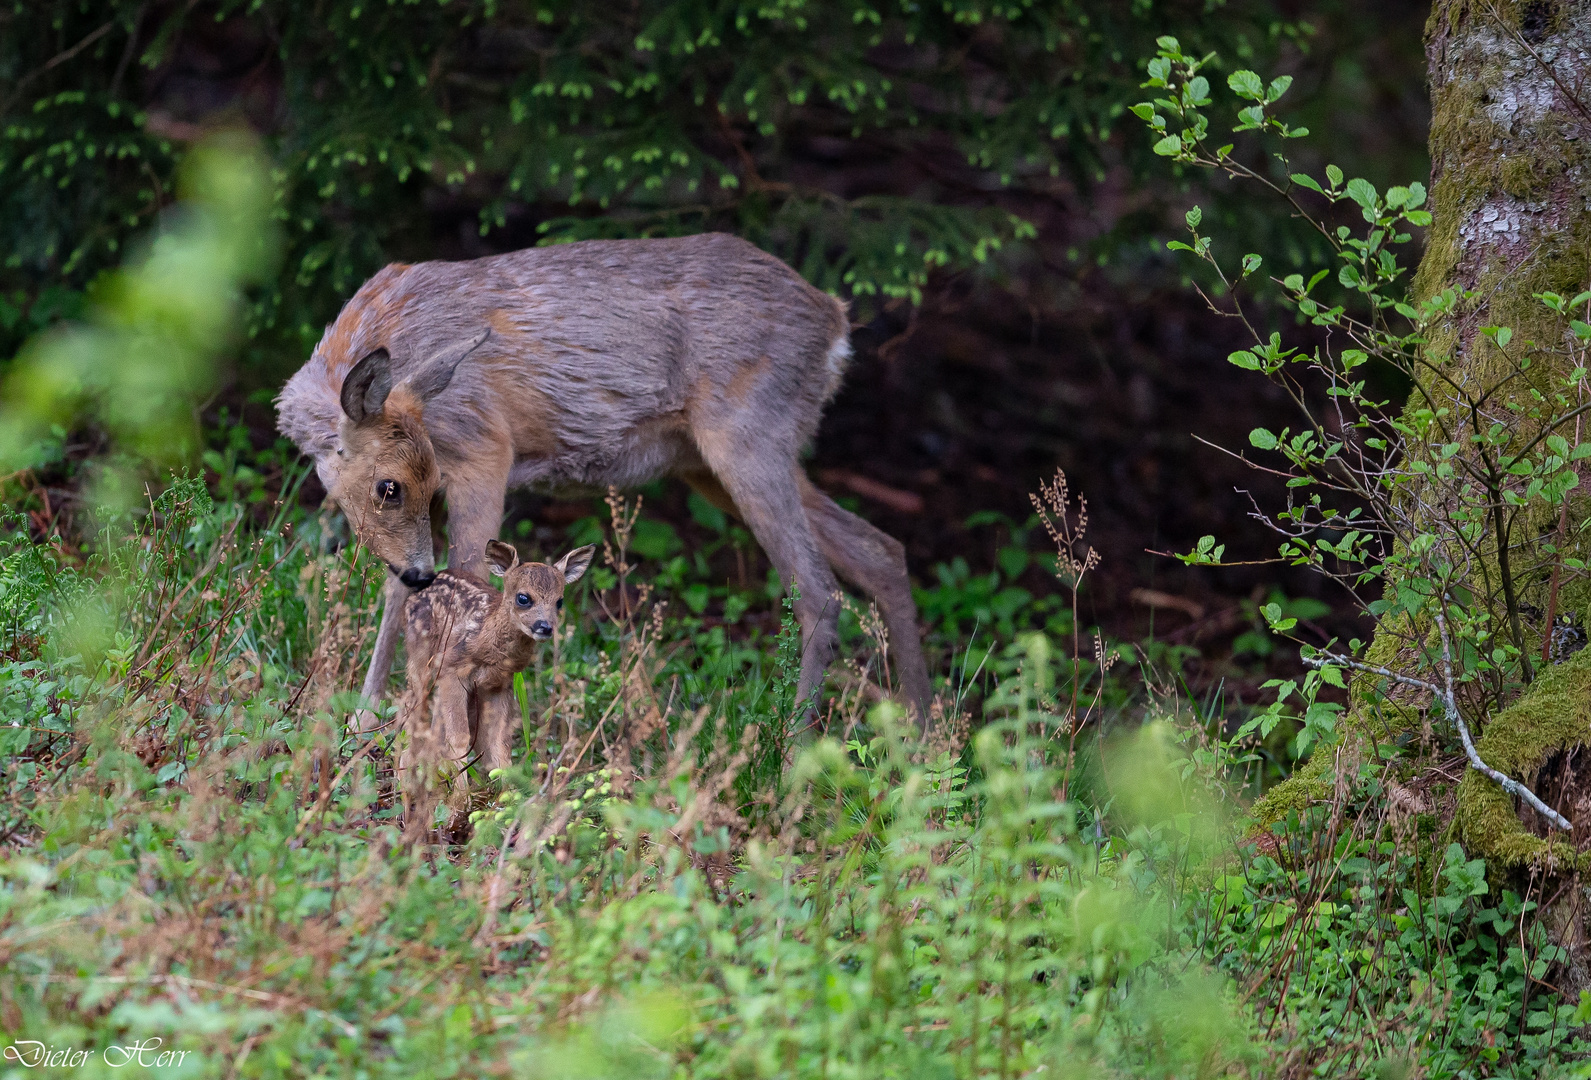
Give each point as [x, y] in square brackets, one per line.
[417, 579]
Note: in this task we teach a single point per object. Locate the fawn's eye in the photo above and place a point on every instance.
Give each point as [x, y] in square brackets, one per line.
[389, 492]
[559, 604]
[523, 599]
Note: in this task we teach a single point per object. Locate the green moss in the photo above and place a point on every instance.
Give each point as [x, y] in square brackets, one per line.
[1554, 714]
[1305, 787]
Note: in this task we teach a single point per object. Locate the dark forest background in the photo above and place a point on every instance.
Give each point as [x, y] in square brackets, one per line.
[966, 173]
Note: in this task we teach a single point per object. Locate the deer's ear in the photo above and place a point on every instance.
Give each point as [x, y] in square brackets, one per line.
[501, 557]
[367, 385]
[433, 374]
[574, 564]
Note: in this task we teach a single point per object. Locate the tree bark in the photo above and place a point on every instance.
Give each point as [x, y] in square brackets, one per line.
[1510, 144]
[1511, 202]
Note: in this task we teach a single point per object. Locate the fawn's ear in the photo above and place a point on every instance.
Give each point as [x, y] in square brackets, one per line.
[501, 557]
[365, 389]
[574, 564]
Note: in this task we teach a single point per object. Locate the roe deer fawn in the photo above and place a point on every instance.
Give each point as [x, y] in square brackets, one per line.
[466, 641]
[606, 362]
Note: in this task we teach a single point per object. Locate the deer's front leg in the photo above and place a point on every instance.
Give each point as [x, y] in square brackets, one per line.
[396, 594]
[475, 491]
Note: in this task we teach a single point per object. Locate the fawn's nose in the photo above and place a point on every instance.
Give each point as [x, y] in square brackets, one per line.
[541, 629]
[417, 579]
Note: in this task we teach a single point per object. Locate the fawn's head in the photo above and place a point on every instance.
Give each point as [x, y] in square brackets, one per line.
[533, 592]
[386, 473]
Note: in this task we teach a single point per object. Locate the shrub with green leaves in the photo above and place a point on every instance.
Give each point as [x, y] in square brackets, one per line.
[558, 120]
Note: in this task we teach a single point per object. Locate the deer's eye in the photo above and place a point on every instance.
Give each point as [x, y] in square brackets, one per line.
[559, 604]
[389, 492]
[523, 599]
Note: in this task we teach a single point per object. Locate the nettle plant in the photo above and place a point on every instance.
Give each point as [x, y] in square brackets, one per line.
[1420, 508]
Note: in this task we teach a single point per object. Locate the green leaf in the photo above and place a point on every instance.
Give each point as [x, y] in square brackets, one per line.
[1144, 111]
[1278, 87]
[1262, 439]
[1362, 192]
[1193, 217]
[705, 513]
[1170, 146]
[655, 539]
[1251, 263]
[1304, 180]
[1246, 84]
[1334, 175]
[1245, 359]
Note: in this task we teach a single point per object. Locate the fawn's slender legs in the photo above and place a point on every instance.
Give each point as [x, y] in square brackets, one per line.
[499, 719]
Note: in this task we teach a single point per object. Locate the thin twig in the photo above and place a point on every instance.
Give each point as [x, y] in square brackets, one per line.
[1450, 706]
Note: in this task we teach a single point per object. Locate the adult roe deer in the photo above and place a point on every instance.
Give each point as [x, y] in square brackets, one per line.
[575, 367]
[466, 641]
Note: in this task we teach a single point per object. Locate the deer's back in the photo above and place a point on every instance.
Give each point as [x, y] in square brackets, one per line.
[591, 344]
[447, 612]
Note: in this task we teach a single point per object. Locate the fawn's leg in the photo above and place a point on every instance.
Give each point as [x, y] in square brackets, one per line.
[499, 720]
[447, 746]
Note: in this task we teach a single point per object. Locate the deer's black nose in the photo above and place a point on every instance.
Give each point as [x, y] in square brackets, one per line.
[541, 629]
[417, 579]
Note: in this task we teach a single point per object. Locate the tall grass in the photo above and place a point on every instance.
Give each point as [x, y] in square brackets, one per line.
[195, 856]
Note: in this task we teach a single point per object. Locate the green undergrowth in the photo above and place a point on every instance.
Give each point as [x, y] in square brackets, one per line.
[198, 861]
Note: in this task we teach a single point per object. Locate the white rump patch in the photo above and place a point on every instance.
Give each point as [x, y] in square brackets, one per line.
[836, 361]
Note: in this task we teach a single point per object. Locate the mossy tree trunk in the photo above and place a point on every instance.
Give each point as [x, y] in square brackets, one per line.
[1510, 146]
[1511, 199]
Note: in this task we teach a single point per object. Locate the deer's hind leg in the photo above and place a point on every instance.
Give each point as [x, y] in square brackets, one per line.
[874, 562]
[868, 558]
[767, 498]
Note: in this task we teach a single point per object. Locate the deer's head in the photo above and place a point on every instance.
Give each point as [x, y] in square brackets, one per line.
[533, 592]
[386, 475]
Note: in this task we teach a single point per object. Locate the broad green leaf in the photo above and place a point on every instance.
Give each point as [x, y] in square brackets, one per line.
[1246, 84]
